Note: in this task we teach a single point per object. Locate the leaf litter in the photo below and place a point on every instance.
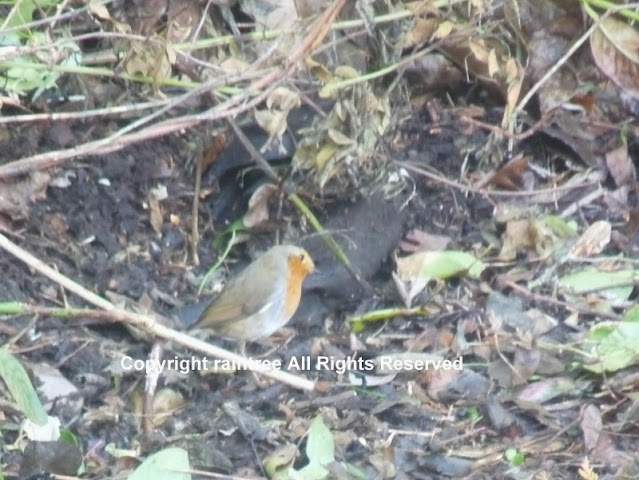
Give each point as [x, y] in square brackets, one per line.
[521, 265]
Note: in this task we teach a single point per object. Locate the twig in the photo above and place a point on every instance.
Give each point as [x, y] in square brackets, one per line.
[557, 303]
[195, 209]
[98, 112]
[481, 191]
[253, 153]
[518, 137]
[150, 387]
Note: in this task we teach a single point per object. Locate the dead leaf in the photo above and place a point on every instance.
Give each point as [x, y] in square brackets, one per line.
[16, 197]
[283, 99]
[165, 404]
[593, 240]
[420, 241]
[510, 176]
[525, 364]
[422, 30]
[615, 48]
[526, 235]
[235, 65]
[621, 167]
[547, 389]
[591, 425]
[598, 441]
[272, 122]
[444, 29]
[257, 215]
[150, 60]
[416, 270]
[156, 195]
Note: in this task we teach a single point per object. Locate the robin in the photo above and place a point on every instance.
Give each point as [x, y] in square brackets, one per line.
[262, 298]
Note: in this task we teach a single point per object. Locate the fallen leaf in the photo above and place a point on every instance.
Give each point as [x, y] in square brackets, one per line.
[615, 49]
[594, 239]
[621, 167]
[420, 241]
[257, 215]
[418, 269]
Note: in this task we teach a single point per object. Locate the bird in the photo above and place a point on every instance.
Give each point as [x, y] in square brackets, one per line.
[261, 298]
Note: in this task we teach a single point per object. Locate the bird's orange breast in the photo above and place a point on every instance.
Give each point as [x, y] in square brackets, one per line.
[297, 271]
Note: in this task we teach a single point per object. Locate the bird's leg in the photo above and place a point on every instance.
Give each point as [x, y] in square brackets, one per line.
[241, 348]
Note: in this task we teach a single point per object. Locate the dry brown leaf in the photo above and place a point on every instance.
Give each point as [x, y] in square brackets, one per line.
[591, 425]
[479, 50]
[420, 241]
[514, 81]
[598, 441]
[272, 122]
[156, 195]
[283, 99]
[525, 235]
[546, 390]
[150, 60]
[165, 404]
[493, 65]
[444, 29]
[257, 214]
[615, 48]
[235, 65]
[586, 472]
[593, 240]
[319, 70]
[510, 176]
[422, 31]
[621, 167]
[525, 364]
[16, 197]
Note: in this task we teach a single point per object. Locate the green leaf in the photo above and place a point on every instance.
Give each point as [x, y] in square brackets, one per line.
[449, 263]
[68, 437]
[514, 457]
[320, 450]
[167, 464]
[632, 315]
[561, 227]
[22, 11]
[320, 447]
[355, 472]
[614, 285]
[613, 345]
[19, 385]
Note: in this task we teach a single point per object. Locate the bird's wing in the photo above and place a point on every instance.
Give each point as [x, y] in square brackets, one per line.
[256, 290]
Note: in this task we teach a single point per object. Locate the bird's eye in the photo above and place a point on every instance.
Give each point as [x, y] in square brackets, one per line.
[301, 257]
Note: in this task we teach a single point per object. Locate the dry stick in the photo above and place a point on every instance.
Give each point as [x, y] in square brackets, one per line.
[557, 303]
[150, 386]
[195, 209]
[98, 112]
[150, 324]
[518, 137]
[482, 191]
